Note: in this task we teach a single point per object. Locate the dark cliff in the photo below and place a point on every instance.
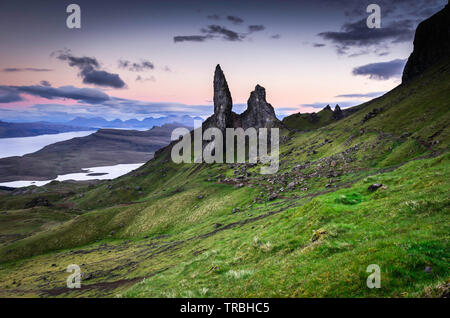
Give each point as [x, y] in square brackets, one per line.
[431, 44]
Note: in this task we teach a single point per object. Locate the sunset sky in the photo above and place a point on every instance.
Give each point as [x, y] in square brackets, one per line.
[136, 59]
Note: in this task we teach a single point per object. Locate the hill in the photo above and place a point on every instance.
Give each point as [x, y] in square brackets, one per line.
[371, 188]
[310, 121]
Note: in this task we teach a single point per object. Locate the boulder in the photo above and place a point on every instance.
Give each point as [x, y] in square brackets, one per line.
[374, 187]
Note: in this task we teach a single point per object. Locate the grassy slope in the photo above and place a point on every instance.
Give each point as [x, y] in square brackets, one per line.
[266, 249]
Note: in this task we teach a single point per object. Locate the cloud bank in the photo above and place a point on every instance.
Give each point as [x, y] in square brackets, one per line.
[382, 70]
[10, 94]
[25, 69]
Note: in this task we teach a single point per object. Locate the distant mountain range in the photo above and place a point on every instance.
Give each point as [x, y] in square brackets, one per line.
[99, 122]
[11, 130]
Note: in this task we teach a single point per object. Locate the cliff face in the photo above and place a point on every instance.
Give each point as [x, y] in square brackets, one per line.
[431, 44]
[259, 112]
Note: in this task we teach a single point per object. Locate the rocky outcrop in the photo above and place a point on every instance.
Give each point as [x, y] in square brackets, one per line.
[223, 102]
[328, 107]
[431, 44]
[310, 121]
[337, 113]
[259, 112]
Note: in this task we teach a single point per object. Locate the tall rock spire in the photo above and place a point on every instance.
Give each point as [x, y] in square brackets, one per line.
[222, 100]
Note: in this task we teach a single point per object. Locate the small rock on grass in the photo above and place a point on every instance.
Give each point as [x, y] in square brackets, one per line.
[374, 187]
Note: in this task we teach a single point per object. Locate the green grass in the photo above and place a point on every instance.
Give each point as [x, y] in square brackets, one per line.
[402, 228]
[303, 122]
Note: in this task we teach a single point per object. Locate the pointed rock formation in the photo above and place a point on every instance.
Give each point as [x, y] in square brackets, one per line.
[337, 113]
[259, 112]
[328, 107]
[431, 44]
[222, 100]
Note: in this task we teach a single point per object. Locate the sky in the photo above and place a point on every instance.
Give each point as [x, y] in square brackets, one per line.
[138, 59]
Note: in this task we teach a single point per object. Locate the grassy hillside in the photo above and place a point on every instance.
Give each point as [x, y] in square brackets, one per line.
[306, 122]
[225, 230]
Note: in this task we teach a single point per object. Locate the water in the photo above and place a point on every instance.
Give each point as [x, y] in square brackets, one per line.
[112, 172]
[23, 145]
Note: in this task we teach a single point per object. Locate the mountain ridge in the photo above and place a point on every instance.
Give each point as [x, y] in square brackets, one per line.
[149, 122]
[14, 130]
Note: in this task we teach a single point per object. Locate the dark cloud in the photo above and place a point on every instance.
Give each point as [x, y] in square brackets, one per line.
[318, 45]
[357, 95]
[275, 36]
[136, 66]
[357, 34]
[215, 31]
[102, 78]
[45, 83]
[234, 19]
[87, 95]
[89, 70]
[190, 38]
[9, 95]
[381, 71]
[25, 69]
[139, 78]
[80, 62]
[212, 31]
[224, 33]
[256, 27]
